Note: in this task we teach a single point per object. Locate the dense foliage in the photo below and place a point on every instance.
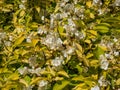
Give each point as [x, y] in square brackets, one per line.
[59, 45]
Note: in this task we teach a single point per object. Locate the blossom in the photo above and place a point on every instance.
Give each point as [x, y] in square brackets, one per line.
[52, 41]
[102, 81]
[32, 61]
[117, 3]
[97, 2]
[7, 43]
[66, 0]
[2, 35]
[41, 31]
[57, 62]
[23, 1]
[23, 70]
[71, 23]
[36, 71]
[10, 38]
[42, 83]
[52, 21]
[95, 88]
[116, 53]
[22, 6]
[68, 51]
[43, 18]
[103, 62]
[28, 39]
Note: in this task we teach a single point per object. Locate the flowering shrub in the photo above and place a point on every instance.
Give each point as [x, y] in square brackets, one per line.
[59, 45]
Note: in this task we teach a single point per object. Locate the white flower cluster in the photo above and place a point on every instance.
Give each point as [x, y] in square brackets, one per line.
[41, 31]
[43, 85]
[116, 3]
[102, 81]
[104, 62]
[95, 88]
[26, 70]
[4, 39]
[57, 62]
[22, 5]
[66, 10]
[97, 2]
[52, 40]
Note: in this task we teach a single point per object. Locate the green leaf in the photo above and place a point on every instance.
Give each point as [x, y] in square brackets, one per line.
[14, 76]
[118, 82]
[27, 79]
[35, 80]
[78, 78]
[61, 86]
[98, 51]
[60, 29]
[112, 20]
[63, 73]
[104, 24]
[19, 40]
[102, 29]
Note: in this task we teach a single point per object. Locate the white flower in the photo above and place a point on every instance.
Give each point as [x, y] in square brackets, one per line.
[28, 39]
[115, 39]
[43, 18]
[66, 0]
[32, 61]
[70, 22]
[42, 83]
[41, 31]
[58, 16]
[117, 3]
[23, 70]
[52, 21]
[52, 41]
[102, 81]
[23, 1]
[75, 1]
[116, 53]
[68, 51]
[103, 62]
[10, 38]
[3, 35]
[22, 6]
[64, 15]
[100, 11]
[97, 2]
[57, 62]
[7, 43]
[95, 88]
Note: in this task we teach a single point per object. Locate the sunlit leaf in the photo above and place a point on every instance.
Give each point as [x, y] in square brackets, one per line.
[61, 86]
[35, 80]
[19, 40]
[63, 73]
[102, 29]
[98, 51]
[14, 76]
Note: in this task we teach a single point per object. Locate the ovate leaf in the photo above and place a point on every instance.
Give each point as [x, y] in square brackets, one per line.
[102, 29]
[19, 40]
[63, 73]
[98, 51]
[61, 86]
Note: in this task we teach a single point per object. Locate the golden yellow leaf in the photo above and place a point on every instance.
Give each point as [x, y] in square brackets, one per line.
[63, 73]
[22, 13]
[88, 41]
[89, 4]
[92, 15]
